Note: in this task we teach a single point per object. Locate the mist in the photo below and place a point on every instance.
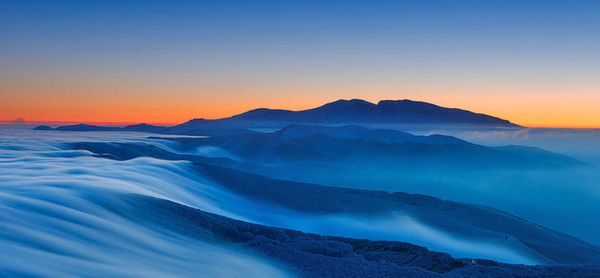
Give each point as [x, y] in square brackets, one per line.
[565, 198]
[47, 215]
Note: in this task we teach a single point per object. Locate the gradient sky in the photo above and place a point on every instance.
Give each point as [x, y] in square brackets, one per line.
[536, 63]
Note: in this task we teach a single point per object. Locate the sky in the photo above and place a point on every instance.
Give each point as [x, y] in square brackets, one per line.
[535, 63]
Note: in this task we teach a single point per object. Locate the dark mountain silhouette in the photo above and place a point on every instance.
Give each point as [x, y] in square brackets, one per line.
[42, 127]
[340, 112]
[192, 129]
[143, 127]
[357, 111]
[86, 127]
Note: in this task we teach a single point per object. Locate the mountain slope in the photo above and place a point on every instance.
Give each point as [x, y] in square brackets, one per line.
[313, 255]
[358, 132]
[389, 148]
[462, 220]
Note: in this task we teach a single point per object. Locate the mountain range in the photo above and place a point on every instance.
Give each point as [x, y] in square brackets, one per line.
[340, 112]
[373, 147]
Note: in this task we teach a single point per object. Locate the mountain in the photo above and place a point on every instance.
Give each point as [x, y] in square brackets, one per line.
[348, 145]
[42, 127]
[340, 112]
[86, 127]
[357, 111]
[348, 112]
[190, 128]
[143, 127]
[358, 132]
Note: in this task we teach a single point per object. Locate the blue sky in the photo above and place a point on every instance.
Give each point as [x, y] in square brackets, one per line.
[300, 53]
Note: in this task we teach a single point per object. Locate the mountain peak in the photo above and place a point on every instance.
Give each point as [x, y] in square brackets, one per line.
[340, 112]
[405, 104]
[352, 101]
[347, 104]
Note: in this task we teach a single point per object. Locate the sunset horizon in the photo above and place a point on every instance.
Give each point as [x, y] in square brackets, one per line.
[127, 62]
[530, 121]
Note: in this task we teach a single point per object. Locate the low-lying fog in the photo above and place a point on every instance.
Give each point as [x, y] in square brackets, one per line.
[567, 200]
[46, 219]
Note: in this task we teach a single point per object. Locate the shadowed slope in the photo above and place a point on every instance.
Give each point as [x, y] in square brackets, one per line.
[455, 218]
[313, 255]
[375, 147]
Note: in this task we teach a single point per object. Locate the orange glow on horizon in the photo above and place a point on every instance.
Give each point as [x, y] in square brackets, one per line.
[176, 113]
[120, 104]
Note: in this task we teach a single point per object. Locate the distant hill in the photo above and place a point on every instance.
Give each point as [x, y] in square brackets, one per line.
[85, 127]
[194, 129]
[376, 148]
[349, 145]
[351, 112]
[358, 132]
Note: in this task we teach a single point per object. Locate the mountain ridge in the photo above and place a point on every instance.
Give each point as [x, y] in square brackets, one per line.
[460, 219]
[358, 111]
[339, 112]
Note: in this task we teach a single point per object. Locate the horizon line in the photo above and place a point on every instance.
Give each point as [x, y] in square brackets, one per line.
[13, 122]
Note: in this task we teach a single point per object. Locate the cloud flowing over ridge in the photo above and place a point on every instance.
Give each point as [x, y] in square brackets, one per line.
[49, 189]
